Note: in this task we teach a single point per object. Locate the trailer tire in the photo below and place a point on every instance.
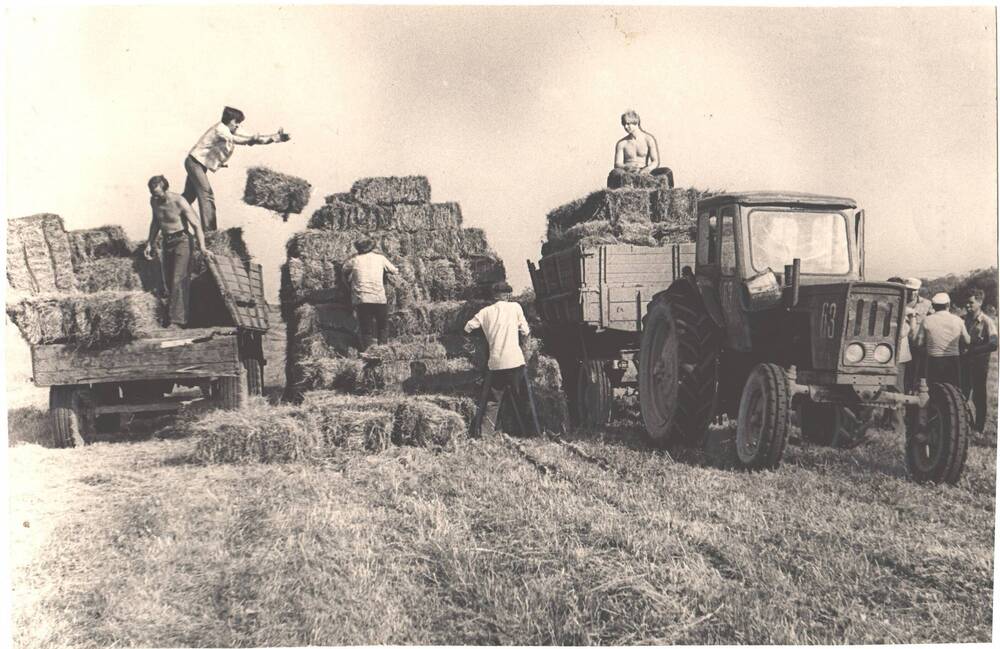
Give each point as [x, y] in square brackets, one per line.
[936, 453]
[569, 370]
[678, 369]
[763, 421]
[233, 390]
[827, 424]
[594, 395]
[70, 409]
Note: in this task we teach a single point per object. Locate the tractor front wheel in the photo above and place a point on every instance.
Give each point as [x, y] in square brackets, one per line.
[936, 451]
[763, 421]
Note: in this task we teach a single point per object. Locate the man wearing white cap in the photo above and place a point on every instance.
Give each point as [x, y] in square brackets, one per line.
[943, 333]
[921, 308]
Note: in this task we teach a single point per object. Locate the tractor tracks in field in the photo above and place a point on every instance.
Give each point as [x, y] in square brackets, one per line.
[713, 555]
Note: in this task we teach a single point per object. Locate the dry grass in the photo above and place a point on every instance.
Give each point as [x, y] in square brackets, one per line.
[600, 542]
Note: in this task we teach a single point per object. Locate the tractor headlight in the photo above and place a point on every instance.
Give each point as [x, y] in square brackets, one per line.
[883, 353]
[854, 353]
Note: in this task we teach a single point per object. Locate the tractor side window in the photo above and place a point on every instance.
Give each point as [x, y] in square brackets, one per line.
[727, 254]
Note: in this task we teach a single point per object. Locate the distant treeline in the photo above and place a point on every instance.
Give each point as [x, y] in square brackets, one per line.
[959, 286]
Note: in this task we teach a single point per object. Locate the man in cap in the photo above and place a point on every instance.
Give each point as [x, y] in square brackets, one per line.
[366, 273]
[211, 151]
[943, 333]
[503, 324]
[921, 308]
[976, 359]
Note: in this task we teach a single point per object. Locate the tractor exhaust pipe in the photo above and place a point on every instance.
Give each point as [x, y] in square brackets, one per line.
[792, 282]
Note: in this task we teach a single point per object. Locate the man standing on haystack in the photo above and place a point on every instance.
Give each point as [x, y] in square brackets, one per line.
[171, 216]
[366, 273]
[211, 151]
[503, 324]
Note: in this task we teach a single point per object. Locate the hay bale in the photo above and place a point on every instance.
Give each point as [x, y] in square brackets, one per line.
[228, 242]
[474, 242]
[388, 190]
[353, 430]
[449, 375]
[108, 274]
[347, 216]
[328, 373]
[259, 432]
[633, 179]
[406, 217]
[666, 234]
[550, 399]
[98, 243]
[637, 234]
[434, 319]
[276, 191]
[405, 351]
[425, 424]
[566, 215]
[39, 257]
[465, 407]
[86, 319]
[315, 333]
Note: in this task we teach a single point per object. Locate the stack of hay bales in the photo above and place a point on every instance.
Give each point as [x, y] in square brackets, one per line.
[89, 287]
[637, 215]
[446, 273]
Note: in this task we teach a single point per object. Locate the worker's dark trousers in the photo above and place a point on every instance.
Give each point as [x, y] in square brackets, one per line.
[944, 369]
[371, 322]
[974, 373]
[177, 275]
[197, 186]
[499, 380]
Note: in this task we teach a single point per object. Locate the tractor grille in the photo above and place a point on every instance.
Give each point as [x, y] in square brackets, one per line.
[871, 320]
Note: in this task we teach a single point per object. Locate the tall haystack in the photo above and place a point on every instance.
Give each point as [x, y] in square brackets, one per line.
[445, 274]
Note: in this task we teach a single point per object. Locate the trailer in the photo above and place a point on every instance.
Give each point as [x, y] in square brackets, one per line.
[592, 300]
[90, 390]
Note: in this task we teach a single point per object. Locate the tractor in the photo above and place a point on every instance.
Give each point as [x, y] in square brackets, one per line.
[776, 317]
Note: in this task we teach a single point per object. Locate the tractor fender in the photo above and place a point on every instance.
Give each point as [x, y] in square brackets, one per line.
[704, 289]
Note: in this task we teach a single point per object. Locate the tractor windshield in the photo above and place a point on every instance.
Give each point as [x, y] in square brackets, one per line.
[819, 239]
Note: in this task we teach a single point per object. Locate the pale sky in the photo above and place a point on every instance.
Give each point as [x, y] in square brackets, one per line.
[513, 111]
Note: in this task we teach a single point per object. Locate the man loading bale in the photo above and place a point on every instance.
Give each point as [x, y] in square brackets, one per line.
[366, 273]
[637, 152]
[212, 150]
[503, 324]
[172, 215]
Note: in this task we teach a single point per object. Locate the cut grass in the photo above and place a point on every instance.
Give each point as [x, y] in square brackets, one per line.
[132, 544]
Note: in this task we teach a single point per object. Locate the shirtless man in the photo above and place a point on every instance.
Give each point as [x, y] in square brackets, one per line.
[637, 151]
[171, 216]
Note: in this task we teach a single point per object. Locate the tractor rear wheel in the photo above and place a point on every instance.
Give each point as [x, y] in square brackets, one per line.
[71, 410]
[594, 395]
[763, 422]
[828, 424]
[678, 369]
[936, 451]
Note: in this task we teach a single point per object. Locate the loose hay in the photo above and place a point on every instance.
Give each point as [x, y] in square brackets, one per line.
[86, 319]
[275, 191]
[425, 424]
[98, 243]
[388, 190]
[39, 257]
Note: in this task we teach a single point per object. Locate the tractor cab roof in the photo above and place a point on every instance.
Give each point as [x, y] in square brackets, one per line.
[792, 199]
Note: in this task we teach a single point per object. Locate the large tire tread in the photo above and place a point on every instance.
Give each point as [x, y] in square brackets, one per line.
[776, 421]
[948, 401]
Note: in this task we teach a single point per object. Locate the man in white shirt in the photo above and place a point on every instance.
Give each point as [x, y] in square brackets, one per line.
[211, 152]
[366, 273]
[502, 323]
[943, 333]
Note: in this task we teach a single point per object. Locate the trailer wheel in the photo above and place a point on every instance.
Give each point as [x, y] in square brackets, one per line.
[678, 366]
[936, 451]
[71, 410]
[569, 370]
[763, 421]
[828, 424]
[594, 395]
[233, 391]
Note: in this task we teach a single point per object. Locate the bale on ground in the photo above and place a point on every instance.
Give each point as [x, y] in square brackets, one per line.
[87, 319]
[425, 424]
[276, 191]
[98, 243]
[39, 256]
[464, 406]
[256, 433]
[358, 430]
[388, 190]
